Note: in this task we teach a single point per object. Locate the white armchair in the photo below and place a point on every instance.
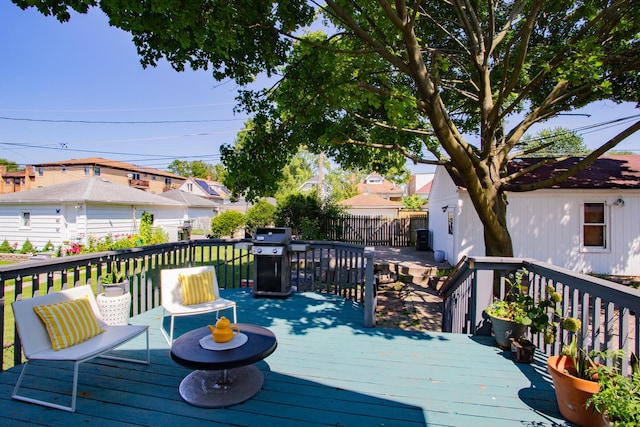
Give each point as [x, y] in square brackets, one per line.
[173, 301]
[37, 342]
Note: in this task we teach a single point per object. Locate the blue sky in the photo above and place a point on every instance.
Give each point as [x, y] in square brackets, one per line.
[85, 70]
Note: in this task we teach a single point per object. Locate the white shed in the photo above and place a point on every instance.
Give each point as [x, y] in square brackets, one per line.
[72, 211]
[587, 224]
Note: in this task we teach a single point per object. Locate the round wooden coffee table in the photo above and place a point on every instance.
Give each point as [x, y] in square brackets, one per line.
[223, 377]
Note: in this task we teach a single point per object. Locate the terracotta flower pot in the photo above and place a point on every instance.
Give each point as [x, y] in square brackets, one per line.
[572, 394]
[504, 330]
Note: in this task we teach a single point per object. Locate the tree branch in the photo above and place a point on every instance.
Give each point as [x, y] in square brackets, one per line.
[581, 165]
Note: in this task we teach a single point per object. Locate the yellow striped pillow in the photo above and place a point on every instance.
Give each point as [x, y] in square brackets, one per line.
[196, 288]
[69, 323]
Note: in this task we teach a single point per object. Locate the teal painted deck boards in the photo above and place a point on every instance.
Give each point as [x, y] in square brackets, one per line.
[328, 370]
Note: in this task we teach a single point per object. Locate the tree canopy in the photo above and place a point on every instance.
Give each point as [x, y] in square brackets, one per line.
[553, 141]
[198, 169]
[389, 81]
[9, 165]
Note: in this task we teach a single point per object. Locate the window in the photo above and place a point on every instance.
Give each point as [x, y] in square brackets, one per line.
[135, 176]
[25, 220]
[189, 187]
[167, 181]
[87, 170]
[64, 169]
[40, 171]
[594, 226]
[96, 170]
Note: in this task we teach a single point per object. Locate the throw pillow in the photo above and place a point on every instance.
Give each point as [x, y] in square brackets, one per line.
[69, 323]
[197, 288]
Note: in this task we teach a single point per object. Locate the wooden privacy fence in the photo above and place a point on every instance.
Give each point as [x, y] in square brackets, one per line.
[375, 230]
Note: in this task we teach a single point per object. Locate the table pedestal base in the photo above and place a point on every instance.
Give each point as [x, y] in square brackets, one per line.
[218, 389]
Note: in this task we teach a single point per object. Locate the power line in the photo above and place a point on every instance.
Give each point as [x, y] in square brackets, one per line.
[115, 122]
[111, 110]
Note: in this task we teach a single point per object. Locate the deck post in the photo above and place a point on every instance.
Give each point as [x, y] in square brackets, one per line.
[370, 292]
[482, 296]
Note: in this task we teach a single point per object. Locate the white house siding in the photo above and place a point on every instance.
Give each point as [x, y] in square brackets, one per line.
[125, 220]
[102, 220]
[444, 194]
[46, 223]
[544, 225]
[190, 186]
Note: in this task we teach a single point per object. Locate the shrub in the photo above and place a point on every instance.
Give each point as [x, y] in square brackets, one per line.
[146, 221]
[27, 247]
[48, 247]
[305, 214]
[6, 248]
[262, 214]
[226, 224]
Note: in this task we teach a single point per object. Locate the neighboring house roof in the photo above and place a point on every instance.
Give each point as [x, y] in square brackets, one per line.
[191, 200]
[89, 190]
[213, 188]
[99, 161]
[368, 200]
[376, 184]
[609, 172]
[310, 184]
[425, 189]
[27, 172]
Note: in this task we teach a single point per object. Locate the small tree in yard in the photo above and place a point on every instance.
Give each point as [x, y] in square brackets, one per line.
[226, 224]
[305, 214]
[27, 247]
[413, 202]
[6, 247]
[261, 214]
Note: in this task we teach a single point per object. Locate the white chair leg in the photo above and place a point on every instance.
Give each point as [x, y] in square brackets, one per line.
[72, 408]
[146, 361]
[167, 336]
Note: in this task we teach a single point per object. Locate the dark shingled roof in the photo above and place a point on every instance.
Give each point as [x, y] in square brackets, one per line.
[609, 172]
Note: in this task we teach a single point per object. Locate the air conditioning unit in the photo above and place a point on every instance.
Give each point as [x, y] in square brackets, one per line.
[130, 175]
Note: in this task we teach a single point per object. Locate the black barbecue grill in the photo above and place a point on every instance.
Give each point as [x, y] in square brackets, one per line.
[271, 262]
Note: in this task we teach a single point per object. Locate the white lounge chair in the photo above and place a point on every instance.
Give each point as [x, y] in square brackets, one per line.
[173, 302]
[37, 344]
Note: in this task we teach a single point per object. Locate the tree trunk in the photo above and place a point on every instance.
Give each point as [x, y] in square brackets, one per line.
[497, 240]
[483, 182]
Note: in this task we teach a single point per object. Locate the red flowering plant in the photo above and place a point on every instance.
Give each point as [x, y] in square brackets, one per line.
[74, 249]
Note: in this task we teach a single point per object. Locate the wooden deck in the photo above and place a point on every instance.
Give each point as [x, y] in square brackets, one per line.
[327, 370]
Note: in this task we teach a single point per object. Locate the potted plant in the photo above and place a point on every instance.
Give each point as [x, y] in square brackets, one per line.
[522, 350]
[575, 380]
[619, 395]
[113, 281]
[511, 316]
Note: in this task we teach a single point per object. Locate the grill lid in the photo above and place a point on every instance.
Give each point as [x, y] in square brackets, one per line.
[272, 236]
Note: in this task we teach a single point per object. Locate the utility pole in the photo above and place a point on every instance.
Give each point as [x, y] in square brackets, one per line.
[321, 194]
